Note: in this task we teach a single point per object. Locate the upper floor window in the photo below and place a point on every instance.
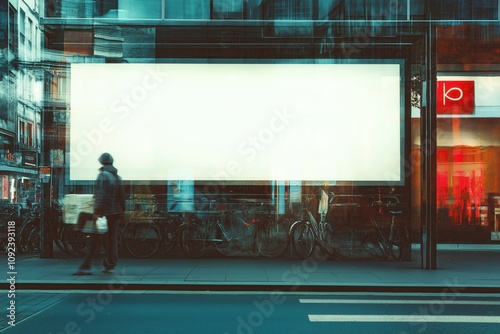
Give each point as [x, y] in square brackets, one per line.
[25, 132]
[13, 40]
[465, 9]
[187, 9]
[228, 9]
[22, 25]
[29, 35]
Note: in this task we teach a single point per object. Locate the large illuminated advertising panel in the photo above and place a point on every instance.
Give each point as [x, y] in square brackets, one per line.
[239, 122]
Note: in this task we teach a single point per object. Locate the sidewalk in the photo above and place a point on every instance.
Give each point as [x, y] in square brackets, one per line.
[469, 270]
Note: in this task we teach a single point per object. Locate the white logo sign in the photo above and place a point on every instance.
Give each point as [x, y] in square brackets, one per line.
[446, 94]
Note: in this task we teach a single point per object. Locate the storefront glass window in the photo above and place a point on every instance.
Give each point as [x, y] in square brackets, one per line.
[468, 126]
[190, 9]
[466, 9]
[200, 99]
[228, 9]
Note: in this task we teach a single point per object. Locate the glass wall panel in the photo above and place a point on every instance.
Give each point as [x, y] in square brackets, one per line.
[468, 127]
[292, 32]
[366, 10]
[293, 10]
[228, 9]
[238, 9]
[465, 9]
[109, 9]
[188, 10]
[418, 9]
[139, 9]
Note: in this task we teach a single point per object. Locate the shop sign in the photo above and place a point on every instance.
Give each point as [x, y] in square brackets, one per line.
[44, 174]
[13, 159]
[57, 158]
[29, 159]
[455, 97]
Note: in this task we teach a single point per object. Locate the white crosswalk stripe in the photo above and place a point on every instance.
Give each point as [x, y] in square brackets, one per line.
[410, 318]
[403, 318]
[402, 301]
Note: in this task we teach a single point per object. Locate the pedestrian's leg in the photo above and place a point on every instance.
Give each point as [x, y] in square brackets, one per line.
[111, 242]
[93, 244]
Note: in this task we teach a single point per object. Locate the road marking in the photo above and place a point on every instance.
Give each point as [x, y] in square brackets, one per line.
[403, 318]
[393, 301]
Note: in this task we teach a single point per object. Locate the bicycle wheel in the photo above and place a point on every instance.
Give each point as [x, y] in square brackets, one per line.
[74, 242]
[399, 239]
[22, 245]
[221, 240]
[254, 243]
[274, 240]
[328, 242]
[192, 241]
[230, 235]
[167, 239]
[344, 240]
[142, 240]
[34, 240]
[169, 228]
[29, 238]
[374, 246]
[58, 231]
[302, 239]
[61, 237]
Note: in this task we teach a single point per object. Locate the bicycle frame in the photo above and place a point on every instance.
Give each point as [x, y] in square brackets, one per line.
[383, 245]
[210, 227]
[313, 232]
[269, 238]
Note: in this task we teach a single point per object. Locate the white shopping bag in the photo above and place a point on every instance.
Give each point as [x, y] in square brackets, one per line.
[76, 203]
[99, 226]
[323, 203]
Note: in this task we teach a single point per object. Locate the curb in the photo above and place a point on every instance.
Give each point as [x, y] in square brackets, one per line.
[253, 288]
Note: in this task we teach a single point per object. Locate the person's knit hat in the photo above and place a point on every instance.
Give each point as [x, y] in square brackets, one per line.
[106, 159]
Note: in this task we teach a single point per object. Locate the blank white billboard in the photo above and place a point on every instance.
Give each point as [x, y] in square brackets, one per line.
[238, 122]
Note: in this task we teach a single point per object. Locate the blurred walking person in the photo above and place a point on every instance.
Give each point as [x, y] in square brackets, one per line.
[109, 201]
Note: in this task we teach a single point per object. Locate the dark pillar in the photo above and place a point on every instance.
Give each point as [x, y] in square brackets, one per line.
[428, 154]
[46, 238]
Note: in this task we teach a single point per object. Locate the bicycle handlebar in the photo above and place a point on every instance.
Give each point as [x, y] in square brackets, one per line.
[397, 212]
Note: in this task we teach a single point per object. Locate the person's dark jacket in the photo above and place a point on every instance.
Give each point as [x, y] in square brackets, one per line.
[109, 197]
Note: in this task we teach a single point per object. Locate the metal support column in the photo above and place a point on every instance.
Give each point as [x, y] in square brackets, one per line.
[428, 154]
[46, 237]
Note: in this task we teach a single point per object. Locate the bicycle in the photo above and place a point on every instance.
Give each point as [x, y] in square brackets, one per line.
[75, 242]
[269, 238]
[141, 237]
[376, 243]
[170, 226]
[145, 237]
[307, 233]
[225, 230]
[8, 213]
[57, 223]
[28, 239]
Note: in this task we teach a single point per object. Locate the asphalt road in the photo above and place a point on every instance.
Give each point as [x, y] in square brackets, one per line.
[247, 313]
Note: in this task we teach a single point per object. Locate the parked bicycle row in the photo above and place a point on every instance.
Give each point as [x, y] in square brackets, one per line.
[26, 228]
[254, 231]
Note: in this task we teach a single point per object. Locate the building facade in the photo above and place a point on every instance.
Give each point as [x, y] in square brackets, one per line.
[427, 145]
[21, 81]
